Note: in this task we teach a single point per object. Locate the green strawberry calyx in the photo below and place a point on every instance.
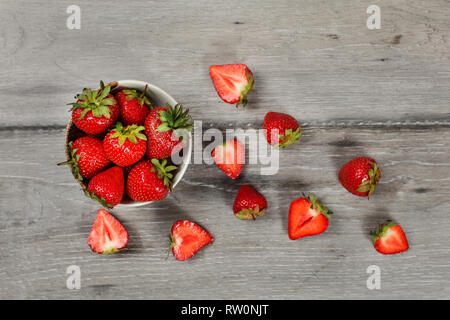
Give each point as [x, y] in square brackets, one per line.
[175, 119]
[289, 137]
[96, 101]
[131, 132]
[382, 230]
[164, 171]
[249, 213]
[318, 207]
[140, 96]
[245, 90]
[100, 200]
[73, 162]
[374, 176]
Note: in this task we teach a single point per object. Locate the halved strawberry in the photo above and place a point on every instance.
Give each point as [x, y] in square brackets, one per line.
[389, 238]
[107, 235]
[230, 157]
[307, 217]
[187, 238]
[232, 82]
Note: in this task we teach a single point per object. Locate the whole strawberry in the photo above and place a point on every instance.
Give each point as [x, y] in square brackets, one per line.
[390, 238]
[232, 82]
[165, 128]
[307, 217]
[249, 203]
[125, 146]
[280, 129]
[107, 235]
[230, 157]
[150, 180]
[87, 157]
[360, 176]
[95, 110]
[107, 187]
[134, 106]
[187, 238]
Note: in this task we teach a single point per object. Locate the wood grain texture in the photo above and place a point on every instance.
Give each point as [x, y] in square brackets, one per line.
[382, 93]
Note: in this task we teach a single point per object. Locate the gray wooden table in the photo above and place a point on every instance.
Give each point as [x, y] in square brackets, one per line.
[355, 91]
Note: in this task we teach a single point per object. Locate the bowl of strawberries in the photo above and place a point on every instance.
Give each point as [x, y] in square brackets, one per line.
[127, 143]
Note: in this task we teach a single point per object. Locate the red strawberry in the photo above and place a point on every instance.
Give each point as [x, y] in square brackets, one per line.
[88, 157]
[390, 238]
[125, 146]
[95, 110]
[307, 217]
[249, 203]
[187, 238]
[107, 234]
[232, 82]
[360, 176]
[134, 106]
[107, 187]
[230, 157]
[281, 129]
[165, 128]
[150, 180]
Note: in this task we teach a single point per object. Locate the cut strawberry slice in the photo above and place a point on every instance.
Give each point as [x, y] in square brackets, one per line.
[307, 217]
[232, 82]
[187, 238]
[230, 157]
[390, 238]
[107, 235]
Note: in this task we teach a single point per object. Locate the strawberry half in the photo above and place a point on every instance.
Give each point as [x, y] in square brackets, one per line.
[87, 158]
[125, 146]
[360, 176]
[232, 82]
[134, 106]
[230, 157]
[150, 180]
[249, 203]
[307, 217]
[95, 110]
[281, 129]
[389, 238]
[165, 128]
[107, 234]
[107, 187]
[187, 238]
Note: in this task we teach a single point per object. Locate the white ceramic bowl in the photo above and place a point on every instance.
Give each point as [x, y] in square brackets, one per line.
[159, 98]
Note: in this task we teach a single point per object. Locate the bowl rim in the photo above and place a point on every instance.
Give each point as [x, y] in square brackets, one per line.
[187, 149]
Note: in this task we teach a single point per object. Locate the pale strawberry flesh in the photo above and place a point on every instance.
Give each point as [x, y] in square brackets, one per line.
[230, 158]
[187, 238]
[232, 82]
[304, 220]
[107, 235]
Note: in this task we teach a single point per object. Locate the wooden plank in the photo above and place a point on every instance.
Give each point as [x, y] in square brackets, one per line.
[45, 221]
[315, 58]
